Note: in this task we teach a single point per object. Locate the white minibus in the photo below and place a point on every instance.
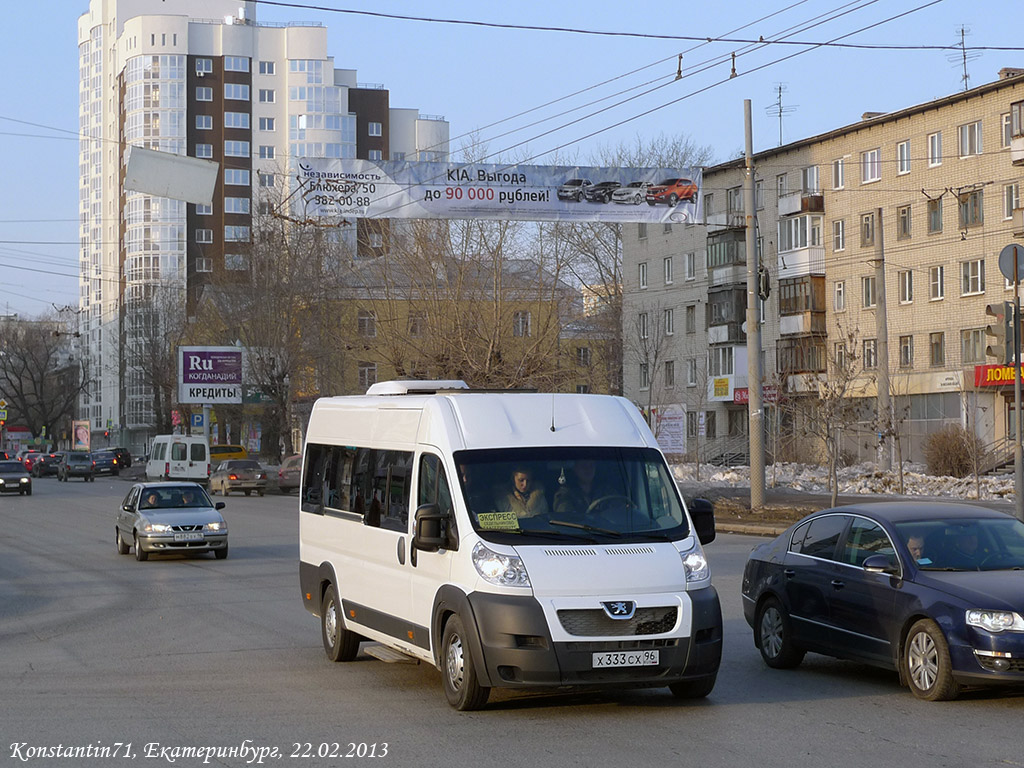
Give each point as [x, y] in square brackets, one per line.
[511, 540]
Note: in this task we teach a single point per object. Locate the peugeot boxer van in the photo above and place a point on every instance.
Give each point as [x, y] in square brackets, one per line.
[511, 540]
[179, 457]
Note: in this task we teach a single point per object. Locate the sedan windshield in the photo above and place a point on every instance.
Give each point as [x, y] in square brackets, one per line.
[972, 544]
[11, 466]
[174, 497]
[572, 493]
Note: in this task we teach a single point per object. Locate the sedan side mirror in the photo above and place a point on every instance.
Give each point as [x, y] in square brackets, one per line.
[126, 507]
[702, 512]
[219, 505]
[881, 564]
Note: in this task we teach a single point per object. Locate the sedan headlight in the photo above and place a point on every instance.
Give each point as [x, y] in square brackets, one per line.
[25, 480]
[215, 526]
[695, 565]
[503, 570]
[156, 528]
[996, 621]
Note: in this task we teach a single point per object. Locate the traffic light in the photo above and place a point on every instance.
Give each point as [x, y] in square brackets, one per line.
[1001, 328]
[106, 433]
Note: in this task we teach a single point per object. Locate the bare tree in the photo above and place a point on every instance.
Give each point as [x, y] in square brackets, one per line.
[696, 400]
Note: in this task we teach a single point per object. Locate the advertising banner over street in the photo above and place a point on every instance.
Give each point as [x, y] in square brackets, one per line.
[406, 190]
[209, 375]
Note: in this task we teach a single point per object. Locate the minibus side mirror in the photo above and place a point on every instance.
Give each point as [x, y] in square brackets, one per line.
[702, 512]
[428, 536]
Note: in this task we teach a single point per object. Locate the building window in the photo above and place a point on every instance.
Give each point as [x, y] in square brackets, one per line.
[366, 323]
[236, 91]
[868, 292]
[709, 205]
[668, 270]
[870, 166]
[398, 157]
[839, 235]
[935, 215]
[870, 357]
[645, 376]
[759, 195]
[906, 351]
[236, 234]
[738, 421]
[972, 346]
[970, 139]
[1005, 133]
[266, 152]
[267, 124]
[799, 232]
[236, 176]
[839, 355]
[734, 200]
[838, 174]
[582, 389]
[839, 296]
[937, 349]
[642, 274]
[375, 154]
[937, 282]
[236, 148]
[802, 294]
[691, 318]
[809, 180]
[643, 326]
[265, 179]
[521, 324]
[204, 235]
[691, 424]
[1011, 200]
[204, 93]
[972, 277]
[720, 361]
[367, 375]
[236, 205]
[641, 231]
[376, 240]
[204, 66]
[236, 64]
[204, 150]
[906, 281]
[934, 149]
[670, 374]
[417, 324]
[903, 157]
[867, 229]
[971, 209]
[709, 424]
[268, 68]
[204, 264]
[267, 96]
[691, 372]
[782, 184]
[204, 122]
[236, 119]
[236, 262]
[670, 322]
[903, 222]
[690, 261]
[375, 129]
[583, 357]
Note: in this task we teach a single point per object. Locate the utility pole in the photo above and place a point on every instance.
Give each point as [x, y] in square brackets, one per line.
[754, 375]
[882, 343]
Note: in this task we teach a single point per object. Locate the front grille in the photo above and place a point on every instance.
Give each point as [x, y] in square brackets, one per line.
[186, 528]
[596, 623]
[989, 663]
[607, 646]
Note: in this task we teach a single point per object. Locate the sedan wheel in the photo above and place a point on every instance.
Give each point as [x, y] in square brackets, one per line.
[775, 636]
[926, 665]
[122, 545]
[140, 554]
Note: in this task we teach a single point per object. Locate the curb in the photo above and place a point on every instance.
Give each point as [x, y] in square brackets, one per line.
[750, 529]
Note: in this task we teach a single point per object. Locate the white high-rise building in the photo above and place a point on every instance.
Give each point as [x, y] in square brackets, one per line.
[205, 81]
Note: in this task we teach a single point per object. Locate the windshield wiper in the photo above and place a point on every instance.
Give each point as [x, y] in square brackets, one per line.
[546, 534]
[585, 527]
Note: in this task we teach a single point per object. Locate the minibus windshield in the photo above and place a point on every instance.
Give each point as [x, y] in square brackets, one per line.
[585, 493]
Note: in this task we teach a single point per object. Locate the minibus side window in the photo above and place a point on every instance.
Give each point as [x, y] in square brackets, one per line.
[198, 451]
[433, 488]
[339, 478]
[313, 478]
[395, 510]
[179, 452]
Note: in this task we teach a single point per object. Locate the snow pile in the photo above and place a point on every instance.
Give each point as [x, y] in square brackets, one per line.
[859, 479]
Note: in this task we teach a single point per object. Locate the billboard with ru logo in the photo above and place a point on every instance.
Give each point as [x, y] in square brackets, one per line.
[209, 375]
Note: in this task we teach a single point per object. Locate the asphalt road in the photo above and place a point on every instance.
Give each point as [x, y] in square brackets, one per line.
[98, 649]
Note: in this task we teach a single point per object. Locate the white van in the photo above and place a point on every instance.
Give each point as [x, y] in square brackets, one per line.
[179, 457]
[511, 540]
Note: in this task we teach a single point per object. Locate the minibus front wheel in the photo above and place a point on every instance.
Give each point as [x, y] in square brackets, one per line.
[461, 684]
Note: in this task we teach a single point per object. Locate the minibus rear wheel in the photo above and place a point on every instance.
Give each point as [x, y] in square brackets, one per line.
[340, 644]
[461, 685]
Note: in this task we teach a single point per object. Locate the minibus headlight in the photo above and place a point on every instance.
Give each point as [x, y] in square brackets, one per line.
[695, 564]
[503, 570]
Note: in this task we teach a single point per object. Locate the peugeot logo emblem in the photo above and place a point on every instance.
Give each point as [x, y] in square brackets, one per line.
[619, 609]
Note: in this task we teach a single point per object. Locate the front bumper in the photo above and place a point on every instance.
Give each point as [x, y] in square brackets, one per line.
[988, 658]
[164, 542]
[519, 652]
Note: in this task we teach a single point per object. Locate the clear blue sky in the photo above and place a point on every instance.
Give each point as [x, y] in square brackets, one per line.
[478, 76]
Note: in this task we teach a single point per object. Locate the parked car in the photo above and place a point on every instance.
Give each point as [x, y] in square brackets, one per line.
[14, 478]
[932, 590]
[635, 193]
[574, 189]
[45, 463]
[105, 463]
[289, 473]
[671, 191]
[601, 192]
[244, 475]
[222, 452]
[77, 464]
[170, 517]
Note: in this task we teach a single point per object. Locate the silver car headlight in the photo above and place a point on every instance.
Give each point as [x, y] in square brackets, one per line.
[503, 570]
[156, 528]
[216, 526]
[695, 564]
[995, 621]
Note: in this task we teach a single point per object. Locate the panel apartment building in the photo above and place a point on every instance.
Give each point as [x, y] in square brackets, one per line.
[931, 189]
[202, 78]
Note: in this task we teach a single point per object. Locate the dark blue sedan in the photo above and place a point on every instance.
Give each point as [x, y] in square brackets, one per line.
[934, 591]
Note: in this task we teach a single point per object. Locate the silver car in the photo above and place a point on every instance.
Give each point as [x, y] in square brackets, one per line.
[170, 517]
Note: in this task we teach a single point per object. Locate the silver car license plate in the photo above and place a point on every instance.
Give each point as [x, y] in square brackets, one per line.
[625, 659]
[188, 537]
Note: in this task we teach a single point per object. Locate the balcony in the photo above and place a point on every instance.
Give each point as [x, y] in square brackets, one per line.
[801, 262]
[1017, 150]
[801, 202]
[725, 333]
[802, 323]
[726, 220]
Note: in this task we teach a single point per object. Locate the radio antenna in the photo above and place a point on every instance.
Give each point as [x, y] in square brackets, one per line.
[552, 411]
